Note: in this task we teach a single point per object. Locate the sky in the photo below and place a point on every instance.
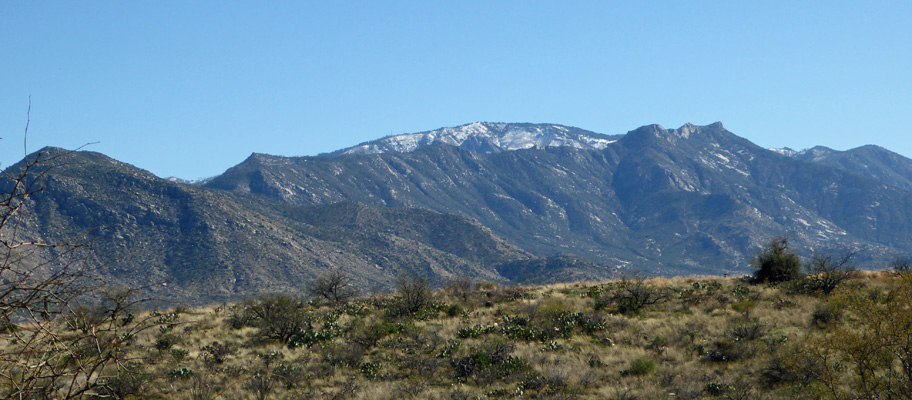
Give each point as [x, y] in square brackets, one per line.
[189, 89]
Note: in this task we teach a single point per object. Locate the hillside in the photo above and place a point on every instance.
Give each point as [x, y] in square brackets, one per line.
[869, 161]
[201, 246]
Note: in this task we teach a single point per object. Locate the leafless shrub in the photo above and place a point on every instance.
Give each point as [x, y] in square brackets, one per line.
[412, 294]
[826, 272]
[335, 287]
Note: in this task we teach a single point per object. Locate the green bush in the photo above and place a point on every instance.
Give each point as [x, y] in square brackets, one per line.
[166, 341]
[639, 367]
[777, 263]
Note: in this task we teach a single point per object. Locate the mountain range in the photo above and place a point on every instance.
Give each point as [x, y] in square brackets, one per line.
[530, 203]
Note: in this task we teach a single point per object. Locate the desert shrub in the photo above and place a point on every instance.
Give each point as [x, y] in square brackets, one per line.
[827, 272]
[717, 388]
[741, 291]
[901, 265]
[776, 263]
[490, 362]
[745, 330]
[341, 355]
[700, 292]
[872, 351]
[279, 316]
[784, 303]
[129, 383]
[289, 374]
[370, 370]
[826, 314]
[449, 349]
[84, 318]
[355, 309]
[632, 296]
[260, 386]
[728, 351]
[335, 287]
[179, 354]
[308, 337]
[413, 293]
[791, 367]
[657, 344]
[369, 335]
[166, 341]
[460, 288]
[511, 293]
[239, 317]
[744, 306]
[455, 310]
[216, 353]
[475, 331]
[639, 367]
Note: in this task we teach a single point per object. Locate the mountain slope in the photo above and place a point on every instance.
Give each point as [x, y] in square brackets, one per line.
[199, 245]
[693, 199]
[870, 161]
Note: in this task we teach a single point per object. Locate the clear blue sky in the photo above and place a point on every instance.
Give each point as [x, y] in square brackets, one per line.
[189, 89]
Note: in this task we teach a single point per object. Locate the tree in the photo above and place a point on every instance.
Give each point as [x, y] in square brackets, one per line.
[636, 294]
[777, 262]
[412, 294]
[52, 346]
[279, 316]
[901, 265]
[336, 287]
[826, 272]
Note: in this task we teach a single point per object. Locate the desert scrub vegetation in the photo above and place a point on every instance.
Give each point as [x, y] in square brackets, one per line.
[689, 338]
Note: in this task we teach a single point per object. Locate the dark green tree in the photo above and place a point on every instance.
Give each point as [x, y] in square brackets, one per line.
[777, 262]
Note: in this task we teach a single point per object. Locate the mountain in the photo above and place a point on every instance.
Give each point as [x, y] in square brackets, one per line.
[484, 137]
[202, 246]
[870, 161]
[505, 202]
[697, 199]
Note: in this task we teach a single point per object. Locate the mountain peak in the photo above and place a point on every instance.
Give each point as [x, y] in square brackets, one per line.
[487, 137]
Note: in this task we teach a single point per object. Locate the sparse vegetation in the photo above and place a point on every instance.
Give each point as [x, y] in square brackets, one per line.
[717, 338]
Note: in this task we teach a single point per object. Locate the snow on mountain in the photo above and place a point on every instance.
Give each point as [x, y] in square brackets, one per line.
[785, 151]
[815, 153]
[194, 182]
[484, 137]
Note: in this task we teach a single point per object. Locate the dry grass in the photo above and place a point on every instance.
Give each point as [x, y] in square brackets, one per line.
[709, 337]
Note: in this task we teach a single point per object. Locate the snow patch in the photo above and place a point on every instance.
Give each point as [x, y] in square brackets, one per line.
[486, 137]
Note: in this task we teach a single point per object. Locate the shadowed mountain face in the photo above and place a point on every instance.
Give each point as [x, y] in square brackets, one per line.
[200, 246]
[697, 199]
[693, 200]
